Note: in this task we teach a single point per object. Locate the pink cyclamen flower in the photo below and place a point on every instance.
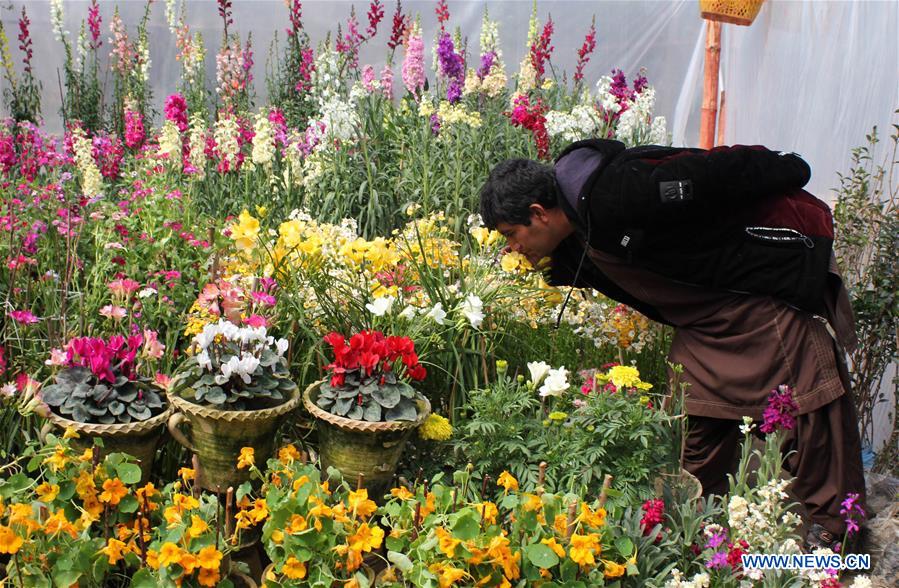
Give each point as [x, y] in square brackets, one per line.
[113, 312]
[58, 357]
[23, 317]
[162, 380]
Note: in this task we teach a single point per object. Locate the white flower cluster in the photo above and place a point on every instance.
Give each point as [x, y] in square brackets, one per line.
[57, 17]
[701, 580]
[197, 143]
[170, 144]
[490, 37]
[252, 340]
[91, 180]
[472, 308]
[552, 382]
[582, 122]
[225, 132]
[263, 141]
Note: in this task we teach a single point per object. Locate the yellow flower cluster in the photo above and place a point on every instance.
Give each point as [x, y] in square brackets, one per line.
[457, 114]
[435, 428]
[245, 231]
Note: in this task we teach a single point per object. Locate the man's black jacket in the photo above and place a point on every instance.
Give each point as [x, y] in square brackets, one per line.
[731, 219]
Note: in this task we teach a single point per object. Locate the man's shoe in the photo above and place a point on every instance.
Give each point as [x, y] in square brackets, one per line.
[820, 538]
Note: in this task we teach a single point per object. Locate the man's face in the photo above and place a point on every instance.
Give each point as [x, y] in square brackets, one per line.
[534, 241]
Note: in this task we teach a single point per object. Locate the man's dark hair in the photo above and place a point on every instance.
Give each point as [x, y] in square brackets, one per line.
[512, 187]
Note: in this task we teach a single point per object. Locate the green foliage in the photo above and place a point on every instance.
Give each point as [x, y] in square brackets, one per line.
[507, 427]
[78, 394]
[867, 238]
[370, 398]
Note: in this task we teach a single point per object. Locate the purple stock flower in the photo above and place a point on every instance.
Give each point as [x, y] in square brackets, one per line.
[780, 410]
[452, 66]
[487, 60]
[852, 512]
[718, 560]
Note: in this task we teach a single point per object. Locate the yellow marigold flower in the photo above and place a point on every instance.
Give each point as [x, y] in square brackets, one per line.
[187, 474]
[247, 458]
[366, 538]
[554, 545]
[595, 519]
[208, 577]
[9, 542]
[294, 568]
[446, 542]
[507, 481]
[612, 569]
[624, 376]
[360, 505]
[113, 491]
[402, 493]
[197, 526]
[169, 554]
[245, 231]
[288, 454]
[583, 547]
[47, 492]
[435, 428]
[209, 558]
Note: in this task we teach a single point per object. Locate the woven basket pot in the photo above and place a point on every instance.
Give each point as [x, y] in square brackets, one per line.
[738, 12]
[362, 447]
[217, 436]
[139, 439]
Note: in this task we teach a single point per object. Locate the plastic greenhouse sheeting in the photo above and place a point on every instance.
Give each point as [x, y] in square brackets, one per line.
[808, 76]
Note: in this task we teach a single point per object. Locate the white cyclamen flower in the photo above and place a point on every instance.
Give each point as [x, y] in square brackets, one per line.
[381, 306]
[538, 370]
[556, 383]
[203, 360]
[473, 309]
[281, 345]
[437, 313]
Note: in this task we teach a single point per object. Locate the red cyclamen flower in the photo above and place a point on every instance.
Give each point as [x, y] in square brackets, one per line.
[583, 54]
[375, 15]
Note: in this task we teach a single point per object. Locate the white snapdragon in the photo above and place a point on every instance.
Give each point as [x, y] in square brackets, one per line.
[381, 306]
[538, 370]
[556, 382]
[263, 141]
[56, 18]
[473, 309]
[197, 142]
[170, 144]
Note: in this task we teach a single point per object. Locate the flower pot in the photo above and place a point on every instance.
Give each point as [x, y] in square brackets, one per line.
[738, 12]
[139, 439]
[217, 436]
[680, 487]
[362, 447]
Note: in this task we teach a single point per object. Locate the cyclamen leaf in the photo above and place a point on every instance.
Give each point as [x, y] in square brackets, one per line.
[387, 396]
[355, 413]
[404, 411]
[372, 412]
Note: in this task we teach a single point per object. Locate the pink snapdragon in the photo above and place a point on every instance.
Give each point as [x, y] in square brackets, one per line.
[176, 111]
[375, 15]
[541, 49]
[400, 25]
[122, 288]
[134, 129]
[413, 65]
[93, 25]
[583, 54]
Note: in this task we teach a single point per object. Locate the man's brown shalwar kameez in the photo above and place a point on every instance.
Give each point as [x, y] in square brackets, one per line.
[735, 349]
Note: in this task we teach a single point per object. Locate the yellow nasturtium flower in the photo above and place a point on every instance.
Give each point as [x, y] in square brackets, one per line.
[246, 458]
[507, 481]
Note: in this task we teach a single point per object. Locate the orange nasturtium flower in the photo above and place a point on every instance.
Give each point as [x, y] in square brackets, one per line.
[612, 569]
[288, 454]
[446, 542]
[366, 538]
[294, 568]
[402, 493]
[197, 526]
[169, 553]
[209, 558]
[582, 549]
[47, 492]
[187, 474]
[208, 577]
[552, 544]
[507, 481]
[9, 542]
[246, 458]
[360, 504]
[113, 491]
[593, 518]
[114, 550]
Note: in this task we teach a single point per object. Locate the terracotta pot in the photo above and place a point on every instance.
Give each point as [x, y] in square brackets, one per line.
[139, 439]
[217, 436]
[362, 447]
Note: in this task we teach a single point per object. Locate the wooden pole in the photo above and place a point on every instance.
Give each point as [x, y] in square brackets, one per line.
[722, 117]
[710, 84]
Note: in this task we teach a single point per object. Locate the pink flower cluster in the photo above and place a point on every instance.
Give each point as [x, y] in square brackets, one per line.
[780, 410]
[105, 359]
[413, 65]
[134, 129]
[375, 15]
[93, 24]
[531, 117]
[176, 111]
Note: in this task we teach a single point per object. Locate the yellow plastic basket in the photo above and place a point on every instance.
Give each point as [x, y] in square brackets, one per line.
[738, 12]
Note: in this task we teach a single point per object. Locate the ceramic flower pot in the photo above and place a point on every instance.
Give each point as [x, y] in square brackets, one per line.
[217, 436]
[139, 439]
[362, 447]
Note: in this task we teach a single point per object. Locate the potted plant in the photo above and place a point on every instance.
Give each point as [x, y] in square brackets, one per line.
[366, 410]
[99, 392]
[232, 392]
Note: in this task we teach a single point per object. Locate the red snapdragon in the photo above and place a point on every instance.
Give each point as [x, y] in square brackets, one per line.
[375, 15]
[541, 49]
[583, 54]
